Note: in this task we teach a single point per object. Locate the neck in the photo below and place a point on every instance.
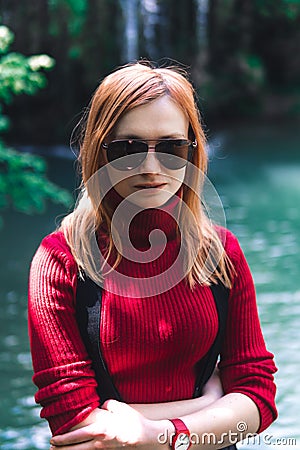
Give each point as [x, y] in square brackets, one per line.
[136, 225]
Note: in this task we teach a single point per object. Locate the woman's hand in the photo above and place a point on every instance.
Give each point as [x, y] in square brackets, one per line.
[213, 389]
[116, 425]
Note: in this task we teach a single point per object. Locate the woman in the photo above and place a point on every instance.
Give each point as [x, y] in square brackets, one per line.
[139, 231]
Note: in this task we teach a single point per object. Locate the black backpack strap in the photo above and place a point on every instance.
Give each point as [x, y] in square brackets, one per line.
[88, 314]
[206, 366]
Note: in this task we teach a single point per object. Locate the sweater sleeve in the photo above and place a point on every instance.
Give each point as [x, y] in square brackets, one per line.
[62, 369]
[246, 366]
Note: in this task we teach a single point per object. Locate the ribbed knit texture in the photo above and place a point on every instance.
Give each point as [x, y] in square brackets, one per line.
[150, 343]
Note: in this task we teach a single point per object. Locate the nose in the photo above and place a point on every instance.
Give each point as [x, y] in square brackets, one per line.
[150, 163]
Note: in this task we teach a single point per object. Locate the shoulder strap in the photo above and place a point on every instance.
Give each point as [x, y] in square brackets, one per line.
[88, 313]
[207, 365]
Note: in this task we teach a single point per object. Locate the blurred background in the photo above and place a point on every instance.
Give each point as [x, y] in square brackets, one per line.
[243, 57]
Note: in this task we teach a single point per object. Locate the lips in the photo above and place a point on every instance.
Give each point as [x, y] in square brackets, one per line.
[150, 186]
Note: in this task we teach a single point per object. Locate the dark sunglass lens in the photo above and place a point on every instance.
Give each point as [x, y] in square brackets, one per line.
[116, 150]
[173, 154]
[126, 155]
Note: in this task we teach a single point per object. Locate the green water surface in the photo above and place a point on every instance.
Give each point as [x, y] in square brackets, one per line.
[257, 175]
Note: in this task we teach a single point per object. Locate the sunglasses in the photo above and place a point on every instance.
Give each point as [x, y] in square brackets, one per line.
[171, 153]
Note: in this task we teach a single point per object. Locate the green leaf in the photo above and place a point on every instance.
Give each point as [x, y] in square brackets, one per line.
[24, 184]
[6, 38]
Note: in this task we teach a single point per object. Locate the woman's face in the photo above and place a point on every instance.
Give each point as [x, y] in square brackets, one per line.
[151, 182]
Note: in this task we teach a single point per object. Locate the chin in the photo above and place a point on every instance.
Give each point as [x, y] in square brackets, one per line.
[151, 201]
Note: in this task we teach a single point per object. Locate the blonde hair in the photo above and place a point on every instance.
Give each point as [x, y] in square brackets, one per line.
[127, 88]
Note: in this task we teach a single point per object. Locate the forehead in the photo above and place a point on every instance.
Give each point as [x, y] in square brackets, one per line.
[159, 118]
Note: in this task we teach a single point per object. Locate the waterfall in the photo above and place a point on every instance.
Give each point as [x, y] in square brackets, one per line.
[200, 74]
[150, 12]
[131, 33]
[202, 12]
[151, 17]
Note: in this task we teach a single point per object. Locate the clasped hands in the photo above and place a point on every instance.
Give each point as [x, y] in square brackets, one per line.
[118, 424]
[115, 425]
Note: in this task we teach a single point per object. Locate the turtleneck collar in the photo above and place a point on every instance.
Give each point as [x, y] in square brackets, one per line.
[142, 222]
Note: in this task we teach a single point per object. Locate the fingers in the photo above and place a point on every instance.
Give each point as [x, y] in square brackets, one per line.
[90, 445]
[114, 406]
[119, 426]
[213, 387]
[82, 435]
[82, 446]
[128, 425]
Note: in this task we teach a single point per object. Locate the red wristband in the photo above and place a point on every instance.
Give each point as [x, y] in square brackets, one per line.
[181, 437]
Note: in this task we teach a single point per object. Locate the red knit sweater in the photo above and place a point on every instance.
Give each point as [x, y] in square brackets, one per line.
[150, 344]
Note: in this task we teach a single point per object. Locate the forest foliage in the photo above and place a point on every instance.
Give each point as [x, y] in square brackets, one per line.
[242, 55]
[23, 181]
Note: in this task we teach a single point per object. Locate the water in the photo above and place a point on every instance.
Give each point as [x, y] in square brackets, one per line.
[151, 14]
[130, 43]
[202, 14]
[257, 173]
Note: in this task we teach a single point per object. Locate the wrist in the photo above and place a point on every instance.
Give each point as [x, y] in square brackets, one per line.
[181, 438]
[162, 432]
